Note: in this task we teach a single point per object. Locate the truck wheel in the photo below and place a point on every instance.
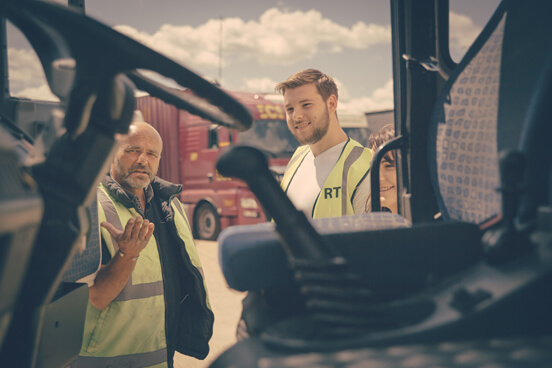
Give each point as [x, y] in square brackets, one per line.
[206, 222]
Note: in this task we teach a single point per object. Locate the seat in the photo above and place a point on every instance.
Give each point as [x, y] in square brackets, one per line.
[488, 106]
[87, 260]
[251, 256]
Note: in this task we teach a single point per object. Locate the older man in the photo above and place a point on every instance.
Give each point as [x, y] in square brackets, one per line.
[149, 298]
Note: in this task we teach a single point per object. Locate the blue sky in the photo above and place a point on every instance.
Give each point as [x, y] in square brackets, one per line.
[265, 41]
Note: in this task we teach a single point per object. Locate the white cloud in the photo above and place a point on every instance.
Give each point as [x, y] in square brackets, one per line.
[259, 85]
[266, 85]
[463, 32]
[25, 72]
[277, 37]
[342, 90]
[381, 99]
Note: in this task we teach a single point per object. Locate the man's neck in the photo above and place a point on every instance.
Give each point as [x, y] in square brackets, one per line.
[138, 193]
[142, 197]
[331, 139]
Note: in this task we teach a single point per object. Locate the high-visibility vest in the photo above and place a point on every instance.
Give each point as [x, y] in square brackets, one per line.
[131, 329]
[336, 197]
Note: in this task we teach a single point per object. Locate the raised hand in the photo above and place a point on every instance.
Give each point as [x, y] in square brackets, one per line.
[133, 238]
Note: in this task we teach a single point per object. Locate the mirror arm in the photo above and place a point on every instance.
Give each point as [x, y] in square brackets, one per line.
[399, 142]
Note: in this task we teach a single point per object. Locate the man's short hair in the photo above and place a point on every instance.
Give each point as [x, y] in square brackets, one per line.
[324, 83]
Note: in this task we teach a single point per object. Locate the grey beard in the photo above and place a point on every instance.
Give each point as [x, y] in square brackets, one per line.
[134, 182]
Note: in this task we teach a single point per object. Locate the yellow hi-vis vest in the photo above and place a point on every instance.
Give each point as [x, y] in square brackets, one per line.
[336, 197]
[131, 330]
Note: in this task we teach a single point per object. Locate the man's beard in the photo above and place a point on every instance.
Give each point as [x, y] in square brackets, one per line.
[318, 132]
[132, 181]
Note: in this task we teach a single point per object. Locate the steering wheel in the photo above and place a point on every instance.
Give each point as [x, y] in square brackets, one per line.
[94, 71]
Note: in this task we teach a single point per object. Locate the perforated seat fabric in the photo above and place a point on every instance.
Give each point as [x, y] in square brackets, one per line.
[86, 262]
[497, 100]
[463, 155]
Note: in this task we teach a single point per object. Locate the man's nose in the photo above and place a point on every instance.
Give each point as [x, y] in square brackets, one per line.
[142, 159]
[297, 115]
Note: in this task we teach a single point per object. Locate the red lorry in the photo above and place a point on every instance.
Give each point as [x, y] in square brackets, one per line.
[192, 145]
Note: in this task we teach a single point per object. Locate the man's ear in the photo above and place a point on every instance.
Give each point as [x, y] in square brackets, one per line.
[332, 104]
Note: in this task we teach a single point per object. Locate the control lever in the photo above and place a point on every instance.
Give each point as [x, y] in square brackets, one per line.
[504, 243]
[301, 240]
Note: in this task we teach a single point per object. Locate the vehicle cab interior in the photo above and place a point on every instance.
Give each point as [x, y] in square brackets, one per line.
[460, 276]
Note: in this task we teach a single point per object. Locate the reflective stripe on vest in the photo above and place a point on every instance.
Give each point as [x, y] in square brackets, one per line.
[141, 360]
[130, 291]
[335, 197]
[351, 159]
[293, 165]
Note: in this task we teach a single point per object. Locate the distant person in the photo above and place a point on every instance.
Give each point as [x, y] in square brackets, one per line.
[388, 171]
[328, 175]
[149, 298]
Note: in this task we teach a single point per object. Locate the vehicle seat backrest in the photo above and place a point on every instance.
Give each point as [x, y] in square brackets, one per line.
[480, 111]
[86, 262]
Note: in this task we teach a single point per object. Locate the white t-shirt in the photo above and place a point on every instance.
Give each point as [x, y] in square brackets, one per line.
[311, 175]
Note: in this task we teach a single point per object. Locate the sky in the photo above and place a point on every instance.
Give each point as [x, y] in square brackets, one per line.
[264, 41]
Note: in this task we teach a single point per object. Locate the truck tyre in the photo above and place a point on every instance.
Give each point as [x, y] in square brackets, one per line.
[206, 222]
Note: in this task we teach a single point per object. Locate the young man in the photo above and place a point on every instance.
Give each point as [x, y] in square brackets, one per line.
[328, 175]
[149, 298]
